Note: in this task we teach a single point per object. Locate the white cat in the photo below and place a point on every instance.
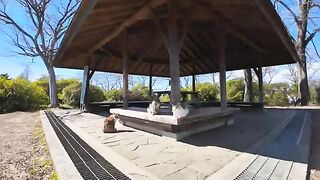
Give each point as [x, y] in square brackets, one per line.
[180, 110]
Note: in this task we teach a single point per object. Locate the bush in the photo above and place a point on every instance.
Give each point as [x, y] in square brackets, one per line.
[113, 95]
[235, 90]
[21, 95]
[139, 93]
[276, 94]
[206, 91]
[71, 94]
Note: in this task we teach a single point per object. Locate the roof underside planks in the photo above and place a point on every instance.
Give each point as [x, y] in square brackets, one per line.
[95, 36]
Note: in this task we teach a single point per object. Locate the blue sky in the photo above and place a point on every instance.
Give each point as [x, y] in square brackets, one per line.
[15, 65]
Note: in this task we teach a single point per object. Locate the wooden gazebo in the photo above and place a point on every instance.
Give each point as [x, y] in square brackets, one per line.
[174, 38]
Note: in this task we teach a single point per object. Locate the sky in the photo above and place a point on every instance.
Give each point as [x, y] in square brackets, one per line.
[15, 65]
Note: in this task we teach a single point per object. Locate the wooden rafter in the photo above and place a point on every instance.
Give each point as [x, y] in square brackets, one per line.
[230, 27]
[143, 12]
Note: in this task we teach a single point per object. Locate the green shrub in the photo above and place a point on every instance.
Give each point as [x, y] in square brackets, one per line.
[71, 94]
[21, 95]
[235, 90]
[276, 94]
[113, 95]
[139, 93]
[206, 91]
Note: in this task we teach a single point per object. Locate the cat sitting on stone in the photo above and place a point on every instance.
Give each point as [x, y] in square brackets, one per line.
[154, 107]
[109, 124]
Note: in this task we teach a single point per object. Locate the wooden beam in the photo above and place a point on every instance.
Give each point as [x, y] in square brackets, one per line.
[276, 23]
[125, 73]
[143, 12]
[231, 28]
[78, 22]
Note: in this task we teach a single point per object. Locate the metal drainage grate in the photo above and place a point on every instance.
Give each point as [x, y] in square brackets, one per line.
[89, 163]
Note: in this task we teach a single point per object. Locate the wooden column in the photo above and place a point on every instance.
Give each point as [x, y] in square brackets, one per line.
[173, 48]
[84, 88]
[222, 66]
[150, 82]
[193, 79]
[260, 79]
[248, 90]
[125, 73]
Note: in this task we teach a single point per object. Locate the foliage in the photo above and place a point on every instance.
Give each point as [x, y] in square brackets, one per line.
[206, 91]
[276, 94]
[113, 95]
[139, 92]
[235, 90]
[21, 95]
[71, 94]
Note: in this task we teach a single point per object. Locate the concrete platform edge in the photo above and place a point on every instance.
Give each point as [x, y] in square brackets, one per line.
[61, 161]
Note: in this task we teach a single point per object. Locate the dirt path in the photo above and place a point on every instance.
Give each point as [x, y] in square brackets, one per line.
[23, 151]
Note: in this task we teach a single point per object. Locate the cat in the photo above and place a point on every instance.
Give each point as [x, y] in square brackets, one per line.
[109, 123]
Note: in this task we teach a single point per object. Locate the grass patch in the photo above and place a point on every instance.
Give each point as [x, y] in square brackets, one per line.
[42, 164]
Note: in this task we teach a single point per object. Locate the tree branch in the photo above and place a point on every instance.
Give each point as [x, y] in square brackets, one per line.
[295, 17]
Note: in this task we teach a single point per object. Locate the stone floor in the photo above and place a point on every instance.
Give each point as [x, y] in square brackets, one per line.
[196, 157]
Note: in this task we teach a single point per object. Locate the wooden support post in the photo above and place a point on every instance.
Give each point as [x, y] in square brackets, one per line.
[84, 88]
[150, 82]
[260, 79]
[125, 73]
[174, 51]
[193, 79]
[248, 91]
[222, 66]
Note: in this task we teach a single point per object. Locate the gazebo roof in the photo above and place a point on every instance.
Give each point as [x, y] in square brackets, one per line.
[255, 36]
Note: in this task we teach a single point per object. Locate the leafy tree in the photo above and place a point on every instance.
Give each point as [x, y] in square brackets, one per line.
[5, 76]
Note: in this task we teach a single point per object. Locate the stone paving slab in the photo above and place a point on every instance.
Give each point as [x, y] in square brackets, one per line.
[197, 157]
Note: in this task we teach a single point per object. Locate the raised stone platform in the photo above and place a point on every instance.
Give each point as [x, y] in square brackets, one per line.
[198, 120]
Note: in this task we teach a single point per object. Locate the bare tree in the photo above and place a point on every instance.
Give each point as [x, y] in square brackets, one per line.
[307, 29]
[104, 80]
[293, 74]
[49, 22]
[268, 73]
[186, 80]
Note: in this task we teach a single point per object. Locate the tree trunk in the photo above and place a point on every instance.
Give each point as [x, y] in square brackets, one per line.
[304, 93]
[248, 94]
[301, 45]
[52, 87]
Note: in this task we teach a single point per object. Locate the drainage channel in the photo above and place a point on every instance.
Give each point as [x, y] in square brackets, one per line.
[89, 163]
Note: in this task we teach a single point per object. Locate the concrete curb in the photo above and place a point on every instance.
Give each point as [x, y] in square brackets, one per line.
[61, 160]
[124, 165]
[240, 163]
[235, 167]
[267, 140]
